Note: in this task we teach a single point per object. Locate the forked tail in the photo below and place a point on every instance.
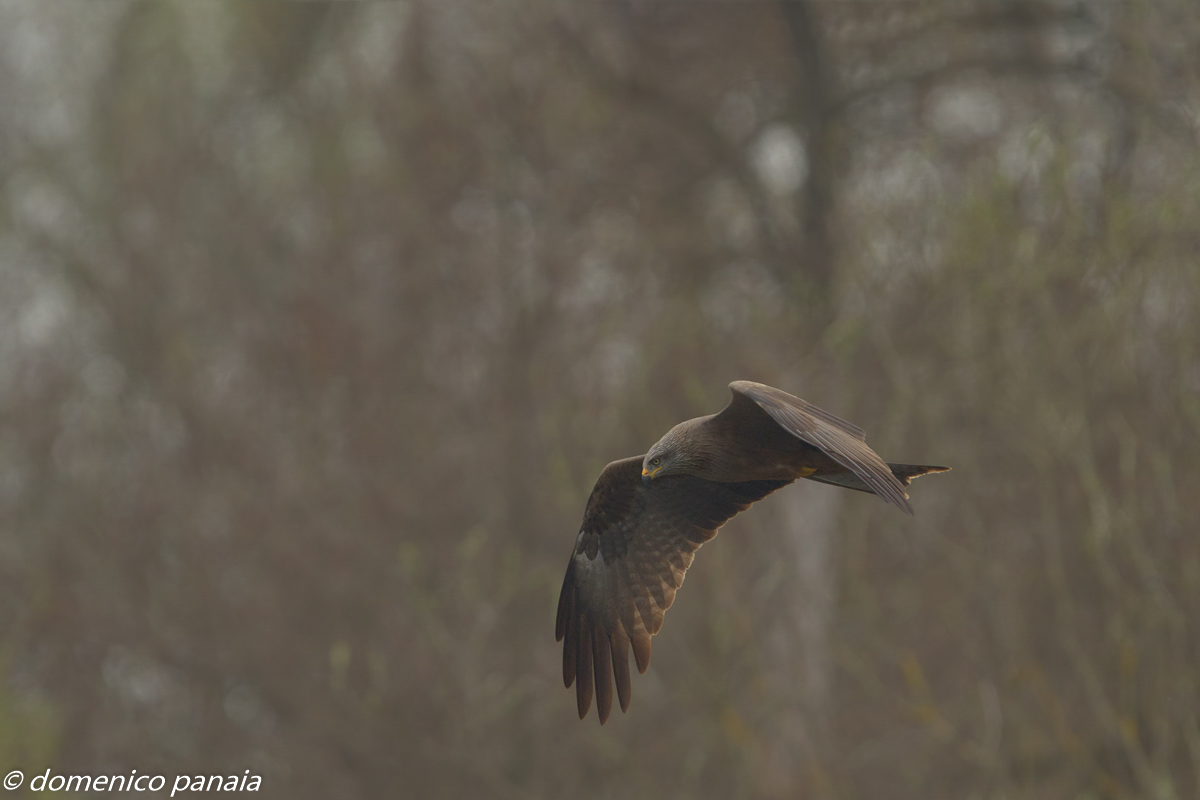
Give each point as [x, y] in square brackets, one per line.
[903, 472]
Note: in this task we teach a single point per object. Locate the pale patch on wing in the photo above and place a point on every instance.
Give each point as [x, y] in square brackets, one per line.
[596, 581]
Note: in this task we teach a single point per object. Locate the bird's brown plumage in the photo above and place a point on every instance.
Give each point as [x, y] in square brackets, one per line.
[639, 534]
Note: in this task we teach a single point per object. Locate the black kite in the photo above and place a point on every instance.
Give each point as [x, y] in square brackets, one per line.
[647, 516]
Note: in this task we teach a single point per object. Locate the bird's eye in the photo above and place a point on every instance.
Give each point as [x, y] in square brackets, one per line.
[655, 461]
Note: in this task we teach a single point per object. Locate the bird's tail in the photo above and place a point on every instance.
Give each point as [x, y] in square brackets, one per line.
[903, 472]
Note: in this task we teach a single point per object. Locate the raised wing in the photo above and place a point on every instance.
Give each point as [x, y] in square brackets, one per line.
[634, 546]
[842, 441]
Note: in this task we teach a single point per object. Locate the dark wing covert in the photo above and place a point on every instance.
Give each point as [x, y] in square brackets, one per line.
[842, 441]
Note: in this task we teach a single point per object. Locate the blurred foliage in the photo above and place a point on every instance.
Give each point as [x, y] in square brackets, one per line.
[318, 320]
[29, 733]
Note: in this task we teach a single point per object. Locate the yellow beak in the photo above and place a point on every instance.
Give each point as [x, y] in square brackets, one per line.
[646, 473]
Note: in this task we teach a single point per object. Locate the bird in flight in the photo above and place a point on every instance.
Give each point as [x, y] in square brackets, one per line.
[648, 515]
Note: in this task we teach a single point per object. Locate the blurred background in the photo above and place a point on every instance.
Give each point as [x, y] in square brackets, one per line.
[319, 320]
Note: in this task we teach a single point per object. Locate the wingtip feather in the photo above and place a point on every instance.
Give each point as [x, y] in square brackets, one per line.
[583, 678]
[641, 653]
[566, 602]
[571, 651]
[602, 670]
[620, 662]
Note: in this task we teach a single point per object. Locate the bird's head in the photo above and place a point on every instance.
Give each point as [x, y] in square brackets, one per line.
[666, 457]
